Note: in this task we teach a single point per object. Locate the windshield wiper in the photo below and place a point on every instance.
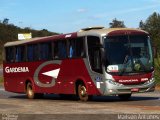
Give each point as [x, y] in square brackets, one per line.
[124, 64]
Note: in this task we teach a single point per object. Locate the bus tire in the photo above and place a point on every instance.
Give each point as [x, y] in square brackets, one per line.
[30, 92]
[82, 93]
[125, 96]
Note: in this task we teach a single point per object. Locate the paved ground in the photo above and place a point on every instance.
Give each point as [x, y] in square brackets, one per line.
[52, 106]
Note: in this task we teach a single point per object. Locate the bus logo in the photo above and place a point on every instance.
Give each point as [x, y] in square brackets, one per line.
[16, 69]
[53, 74]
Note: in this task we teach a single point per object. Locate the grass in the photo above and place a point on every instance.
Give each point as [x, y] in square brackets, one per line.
[1, 77]
[1, 80]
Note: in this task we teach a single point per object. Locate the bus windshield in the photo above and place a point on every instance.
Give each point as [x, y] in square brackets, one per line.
[128, 54]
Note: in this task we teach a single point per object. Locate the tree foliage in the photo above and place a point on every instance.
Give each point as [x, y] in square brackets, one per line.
[152, 25]
[5, 21]
[117, 24]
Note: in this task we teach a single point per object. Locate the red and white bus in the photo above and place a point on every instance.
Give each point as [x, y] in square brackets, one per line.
[92, 61]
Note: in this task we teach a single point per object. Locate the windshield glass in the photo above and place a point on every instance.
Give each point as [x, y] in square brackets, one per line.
[128, 54]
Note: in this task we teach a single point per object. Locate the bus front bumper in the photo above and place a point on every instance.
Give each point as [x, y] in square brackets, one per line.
[114, 88]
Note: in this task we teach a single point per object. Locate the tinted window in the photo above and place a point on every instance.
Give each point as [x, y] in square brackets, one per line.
[45, 51]
[60, 49]
[32, 52]
[126, 52]
[20, 54]
[76, 48]
[10, 54]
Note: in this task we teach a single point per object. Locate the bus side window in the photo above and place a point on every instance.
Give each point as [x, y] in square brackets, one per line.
[76, 48]
[20, 53]
[9, 53]
[32, 53]
[94, 53]
[71, 48]
[60, 49]
[55, 50]
[45, 51]
[80, 52]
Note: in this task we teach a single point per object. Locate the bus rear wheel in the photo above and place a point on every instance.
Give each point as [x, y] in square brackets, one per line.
[82, 93]
[125, 96]
[30, 92]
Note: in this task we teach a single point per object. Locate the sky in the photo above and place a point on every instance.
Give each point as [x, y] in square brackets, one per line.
[65, 16]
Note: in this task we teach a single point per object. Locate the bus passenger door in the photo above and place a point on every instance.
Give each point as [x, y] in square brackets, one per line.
[95, 63]
[94, 53]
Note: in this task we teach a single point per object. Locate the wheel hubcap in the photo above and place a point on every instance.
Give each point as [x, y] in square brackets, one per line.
[83, 91]
[30, 92]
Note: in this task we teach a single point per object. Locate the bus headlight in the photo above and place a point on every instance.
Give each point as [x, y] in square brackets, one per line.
[114, 83]
[150, 80]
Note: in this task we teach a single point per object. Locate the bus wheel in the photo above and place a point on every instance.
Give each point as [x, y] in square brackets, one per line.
[125, 96]
[29, 91]
[82, 93]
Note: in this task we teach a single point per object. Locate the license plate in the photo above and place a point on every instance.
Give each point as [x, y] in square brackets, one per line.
[134, 89]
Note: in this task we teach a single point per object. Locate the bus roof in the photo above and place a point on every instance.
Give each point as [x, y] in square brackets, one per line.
[111, 31]
[98, 31]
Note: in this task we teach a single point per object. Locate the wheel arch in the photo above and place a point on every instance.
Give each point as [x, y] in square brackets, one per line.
[79, 81]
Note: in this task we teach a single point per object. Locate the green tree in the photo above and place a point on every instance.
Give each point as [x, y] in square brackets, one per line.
[141, 25]
[5, 21]
[117, 24]
[152, 25]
